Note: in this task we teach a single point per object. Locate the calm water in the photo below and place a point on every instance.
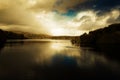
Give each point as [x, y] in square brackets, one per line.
[53, 59]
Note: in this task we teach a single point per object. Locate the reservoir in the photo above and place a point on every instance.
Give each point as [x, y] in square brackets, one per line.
[46, 59]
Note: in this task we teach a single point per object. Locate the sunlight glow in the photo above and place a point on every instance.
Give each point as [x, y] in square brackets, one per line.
[57, 46]
[32, 2]
[57, 32]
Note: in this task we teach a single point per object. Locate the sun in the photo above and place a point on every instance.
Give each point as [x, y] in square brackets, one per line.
[57, 32]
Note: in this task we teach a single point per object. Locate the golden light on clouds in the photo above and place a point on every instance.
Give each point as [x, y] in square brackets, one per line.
[52, 17]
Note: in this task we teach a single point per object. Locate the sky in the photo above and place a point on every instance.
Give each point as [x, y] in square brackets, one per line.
[58, 17]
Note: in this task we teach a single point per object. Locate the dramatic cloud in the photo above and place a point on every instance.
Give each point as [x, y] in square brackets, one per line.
[89, 20]
[66, 5]
[55, 5]
[58, 17]
[15, 13]
[43, 5]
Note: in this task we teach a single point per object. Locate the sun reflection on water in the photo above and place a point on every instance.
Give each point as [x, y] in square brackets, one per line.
[56, 48]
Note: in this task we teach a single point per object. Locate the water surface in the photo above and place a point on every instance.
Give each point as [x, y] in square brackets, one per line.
[35, 59]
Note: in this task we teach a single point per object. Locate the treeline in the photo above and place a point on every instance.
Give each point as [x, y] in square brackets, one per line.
[11, 35]
[46, 36]
[105, 39]
[107, 35]
[64, 37]
[36, 36]
[6, 35]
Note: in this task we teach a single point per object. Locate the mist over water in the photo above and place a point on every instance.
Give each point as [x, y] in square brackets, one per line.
[53, 59]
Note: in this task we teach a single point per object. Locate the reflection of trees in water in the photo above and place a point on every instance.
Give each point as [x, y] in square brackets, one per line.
[2, 39]
[1, 46]
[5, 35]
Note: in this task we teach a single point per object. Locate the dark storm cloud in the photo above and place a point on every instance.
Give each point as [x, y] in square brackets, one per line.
[63, 6]
[106, 4]
[98, 5]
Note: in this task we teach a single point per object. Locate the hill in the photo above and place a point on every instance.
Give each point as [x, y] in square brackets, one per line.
[45, 36]
[104, 36]
[105, 39]
[5, 35]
